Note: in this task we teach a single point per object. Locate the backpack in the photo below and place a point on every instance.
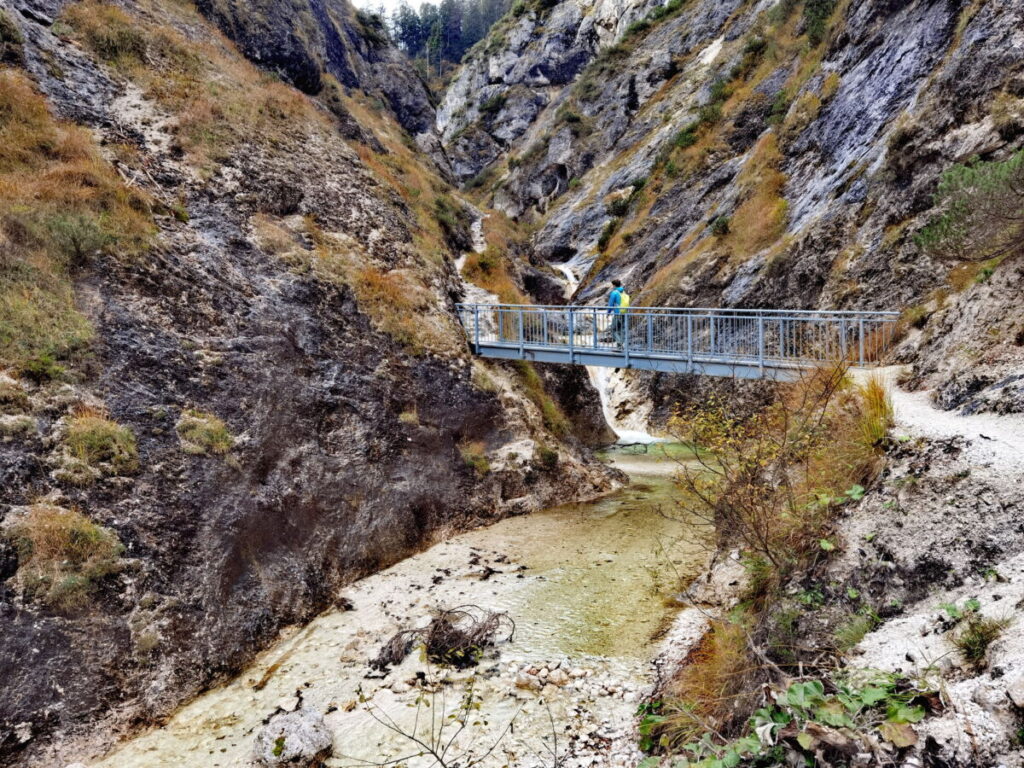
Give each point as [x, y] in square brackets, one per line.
[623, 300]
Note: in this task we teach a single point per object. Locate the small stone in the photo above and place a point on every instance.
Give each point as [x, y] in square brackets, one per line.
[576, 672]
[1016, 692]
[543, 673]
[288, 703]
[400, 687]
[558, 677]
[527, 682]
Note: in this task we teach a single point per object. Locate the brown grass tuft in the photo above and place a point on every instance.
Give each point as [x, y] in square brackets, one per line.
[62, 555]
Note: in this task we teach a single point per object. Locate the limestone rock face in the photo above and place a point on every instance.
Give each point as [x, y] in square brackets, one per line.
[303, 39]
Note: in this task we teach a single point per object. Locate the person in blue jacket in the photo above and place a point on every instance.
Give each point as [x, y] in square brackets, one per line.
[615, 309]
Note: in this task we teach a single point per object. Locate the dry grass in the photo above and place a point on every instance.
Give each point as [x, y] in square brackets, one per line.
[760, 219]
[875, 414]
[713, 690]
[474, 454]
[220, 100]
[60, 203]
[97, 440]
[491, 269]
[62, 555]
[203, 433]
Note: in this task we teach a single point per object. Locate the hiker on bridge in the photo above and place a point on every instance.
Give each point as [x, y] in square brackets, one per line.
[618, 301]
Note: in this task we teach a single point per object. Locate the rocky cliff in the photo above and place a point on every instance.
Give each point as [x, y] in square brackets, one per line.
[232, 377]
[758, 154]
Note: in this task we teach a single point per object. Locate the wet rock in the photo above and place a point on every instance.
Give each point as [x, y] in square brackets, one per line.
[300, 739]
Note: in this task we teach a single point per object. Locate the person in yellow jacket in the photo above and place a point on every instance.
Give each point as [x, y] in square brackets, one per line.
[618, 302]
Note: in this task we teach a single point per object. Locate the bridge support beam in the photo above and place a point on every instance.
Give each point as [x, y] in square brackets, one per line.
[738, 369]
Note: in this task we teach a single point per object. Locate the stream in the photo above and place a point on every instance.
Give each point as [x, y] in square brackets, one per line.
[589, 586]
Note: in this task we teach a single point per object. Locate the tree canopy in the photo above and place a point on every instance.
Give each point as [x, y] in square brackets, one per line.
[444, 32]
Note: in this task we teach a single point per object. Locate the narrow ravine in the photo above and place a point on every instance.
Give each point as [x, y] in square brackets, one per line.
[589, 587]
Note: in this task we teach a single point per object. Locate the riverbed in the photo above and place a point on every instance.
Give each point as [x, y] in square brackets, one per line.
[589, 587]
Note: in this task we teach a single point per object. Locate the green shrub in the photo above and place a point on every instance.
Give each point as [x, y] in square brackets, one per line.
[816, 15]
[41, 369]
[203, 433]
[62, 555]
[95, 440]
[452, 218]
[607, 233]
[637, 27]
[489, 260]
[980, 204]
[473, 455]
[687, 137]
[11, 42]
[545, 458]
[77, 235]
[373, 28]
[780, 106]
[494, 104]
[720, 226]
[710, 113]
[618, 207]
[976, 634]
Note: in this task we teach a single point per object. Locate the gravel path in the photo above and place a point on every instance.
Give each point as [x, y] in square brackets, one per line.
[996, 442]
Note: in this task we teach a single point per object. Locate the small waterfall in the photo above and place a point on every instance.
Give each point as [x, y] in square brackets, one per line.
[601, 378]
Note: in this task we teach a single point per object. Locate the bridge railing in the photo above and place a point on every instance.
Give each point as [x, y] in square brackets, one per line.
[761, 337]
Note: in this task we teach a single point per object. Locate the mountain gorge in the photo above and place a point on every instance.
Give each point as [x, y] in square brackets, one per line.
[230, 351]
[232, 237]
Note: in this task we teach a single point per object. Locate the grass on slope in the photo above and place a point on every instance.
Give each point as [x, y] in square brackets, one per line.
[60, 203]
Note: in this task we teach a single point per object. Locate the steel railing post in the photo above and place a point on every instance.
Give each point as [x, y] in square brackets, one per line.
[522, 350]
[476, 328]
[595, 327]
[860, 338]
[711, 335]
[689, 339]
[843, 347]
[572, 336]
[760, 343]
[625, 331]
[544, 319]
[650, 333]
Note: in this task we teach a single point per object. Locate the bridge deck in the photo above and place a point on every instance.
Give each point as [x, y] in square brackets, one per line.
[715, 342]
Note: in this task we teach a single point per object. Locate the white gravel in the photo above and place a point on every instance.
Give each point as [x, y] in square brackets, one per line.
[996, 441]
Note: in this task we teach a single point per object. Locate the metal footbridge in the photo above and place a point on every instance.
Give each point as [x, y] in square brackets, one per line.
[741, 343]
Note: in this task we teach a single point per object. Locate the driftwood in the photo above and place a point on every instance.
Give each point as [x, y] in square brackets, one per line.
[454, 638]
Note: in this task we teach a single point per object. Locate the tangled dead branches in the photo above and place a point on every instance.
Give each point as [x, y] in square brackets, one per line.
[456, 637]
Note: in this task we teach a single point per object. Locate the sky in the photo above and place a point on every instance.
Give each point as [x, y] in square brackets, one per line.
[389, 5]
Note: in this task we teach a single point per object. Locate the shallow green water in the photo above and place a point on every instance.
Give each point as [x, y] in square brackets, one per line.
[588, 582]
